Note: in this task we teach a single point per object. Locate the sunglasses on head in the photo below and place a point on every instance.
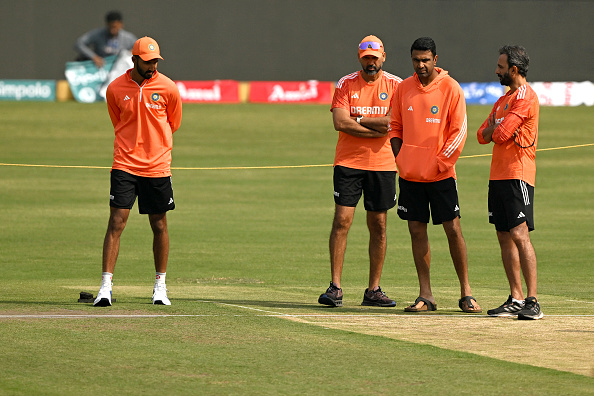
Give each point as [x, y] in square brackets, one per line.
[370, 44]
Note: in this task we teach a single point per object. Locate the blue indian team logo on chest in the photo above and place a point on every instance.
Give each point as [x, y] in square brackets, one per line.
[505, 108]
[383, 95]
[434, 110]
[155, 97]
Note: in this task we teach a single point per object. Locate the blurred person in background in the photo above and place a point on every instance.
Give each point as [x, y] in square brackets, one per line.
[109, 40]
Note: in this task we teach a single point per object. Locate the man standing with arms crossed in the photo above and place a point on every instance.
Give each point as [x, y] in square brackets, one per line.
[512, 126]
[145, 110]
[427, 132]
[363, 164]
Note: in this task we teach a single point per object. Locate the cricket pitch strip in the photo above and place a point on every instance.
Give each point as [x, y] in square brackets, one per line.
[563, 343]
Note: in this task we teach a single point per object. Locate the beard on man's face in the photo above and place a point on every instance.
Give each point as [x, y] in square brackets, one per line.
[372, 70]
[505, 79]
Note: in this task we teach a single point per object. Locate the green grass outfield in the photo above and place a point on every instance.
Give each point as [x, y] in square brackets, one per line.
[249, 258]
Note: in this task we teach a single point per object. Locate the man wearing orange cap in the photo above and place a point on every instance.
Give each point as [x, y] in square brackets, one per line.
[428, 132]
[363, 165]
[145, 110]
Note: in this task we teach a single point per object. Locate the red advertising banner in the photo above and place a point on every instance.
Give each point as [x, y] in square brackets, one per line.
[311, 91]
[217, 91]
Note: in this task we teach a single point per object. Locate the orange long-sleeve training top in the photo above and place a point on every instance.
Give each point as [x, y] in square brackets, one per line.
[517, 110]
[431, 121]
[144, 120]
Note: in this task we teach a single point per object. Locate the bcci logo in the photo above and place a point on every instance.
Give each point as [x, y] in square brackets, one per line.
[505, 108]
[155, 97]
[152, 47]
[383, 96]
[434, 110]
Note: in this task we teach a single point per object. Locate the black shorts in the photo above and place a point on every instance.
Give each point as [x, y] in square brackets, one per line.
[511, 202]
[379, 188]
[417, 199]
[155, 194]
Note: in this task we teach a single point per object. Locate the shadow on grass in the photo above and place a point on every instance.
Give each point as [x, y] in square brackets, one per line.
[265, 306]
[283, 305]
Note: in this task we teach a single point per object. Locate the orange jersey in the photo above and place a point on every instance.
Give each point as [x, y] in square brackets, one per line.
[144, 119]
[519, 109]
[358, 97]
[431, 121]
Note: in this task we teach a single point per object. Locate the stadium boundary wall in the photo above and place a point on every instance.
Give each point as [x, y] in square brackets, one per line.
[268, 40]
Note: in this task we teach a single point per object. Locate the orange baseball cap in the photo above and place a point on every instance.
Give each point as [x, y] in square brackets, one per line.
[371, 45]
[147, 48]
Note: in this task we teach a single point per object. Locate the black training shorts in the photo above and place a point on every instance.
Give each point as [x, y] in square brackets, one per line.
[417, 199]
[511, 204]
[378, 187]
[155, 194]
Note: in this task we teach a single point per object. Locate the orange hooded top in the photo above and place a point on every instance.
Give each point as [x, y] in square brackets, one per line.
[431, 121]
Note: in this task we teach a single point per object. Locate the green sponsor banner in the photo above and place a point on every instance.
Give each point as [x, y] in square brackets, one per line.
[85, 79]
[31, 90]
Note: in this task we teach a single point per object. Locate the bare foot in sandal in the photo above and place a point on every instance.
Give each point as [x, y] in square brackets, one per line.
[468, 304]
[421, 305]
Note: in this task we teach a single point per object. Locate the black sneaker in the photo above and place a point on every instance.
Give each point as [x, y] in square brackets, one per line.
[531, 310]
[509, 308]
[377, 298]
[332, 297]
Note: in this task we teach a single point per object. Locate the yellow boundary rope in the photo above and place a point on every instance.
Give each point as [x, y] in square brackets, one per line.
[261, 167]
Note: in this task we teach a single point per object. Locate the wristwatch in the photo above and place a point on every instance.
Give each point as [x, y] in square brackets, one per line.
[359, 119]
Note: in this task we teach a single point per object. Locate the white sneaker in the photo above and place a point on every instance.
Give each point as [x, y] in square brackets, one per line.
[103, 297]
[160, 295]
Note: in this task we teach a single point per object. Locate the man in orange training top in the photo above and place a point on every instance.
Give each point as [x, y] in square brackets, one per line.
[363, 164]
[145, 109]
[428, 132]
[512, 126]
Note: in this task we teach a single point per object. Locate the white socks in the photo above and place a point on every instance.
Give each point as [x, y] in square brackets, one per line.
[160, 278]
[106, 279]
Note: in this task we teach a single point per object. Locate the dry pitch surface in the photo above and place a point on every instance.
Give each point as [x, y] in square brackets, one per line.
[559, 342]
[563, 343]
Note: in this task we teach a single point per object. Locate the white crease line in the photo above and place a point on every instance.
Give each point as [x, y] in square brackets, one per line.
[87, 316]
[587, 302]
[270, 315]
[244, 307]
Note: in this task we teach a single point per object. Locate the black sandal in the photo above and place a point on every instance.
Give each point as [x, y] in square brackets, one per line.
[429, 306]
[469, 306]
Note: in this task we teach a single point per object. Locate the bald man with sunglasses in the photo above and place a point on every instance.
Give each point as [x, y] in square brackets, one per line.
[363, 166]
